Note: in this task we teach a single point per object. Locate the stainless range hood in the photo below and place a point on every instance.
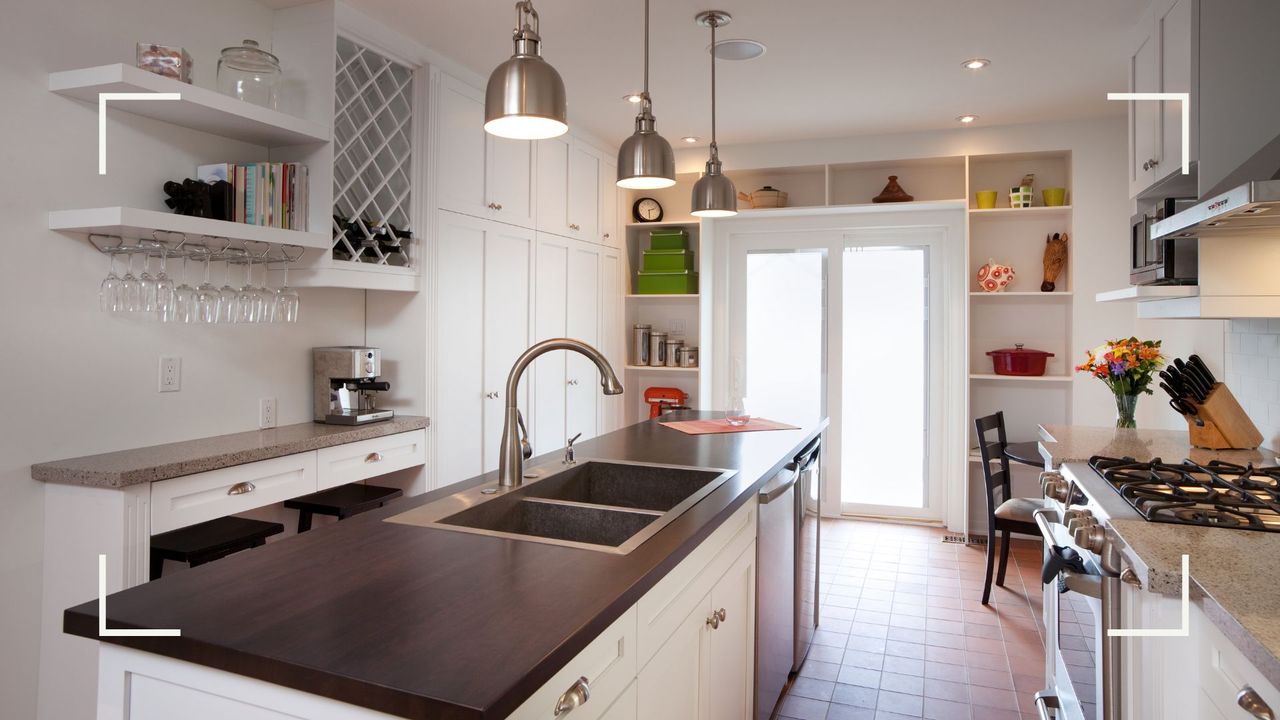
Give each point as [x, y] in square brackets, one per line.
[1251, 209]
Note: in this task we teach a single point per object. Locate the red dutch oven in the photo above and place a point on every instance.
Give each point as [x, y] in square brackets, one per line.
[1019, 360]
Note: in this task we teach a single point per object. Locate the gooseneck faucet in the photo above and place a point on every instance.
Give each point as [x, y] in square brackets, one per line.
[514, 450]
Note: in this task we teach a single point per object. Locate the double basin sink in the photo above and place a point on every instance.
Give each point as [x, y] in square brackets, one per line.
[596, 505]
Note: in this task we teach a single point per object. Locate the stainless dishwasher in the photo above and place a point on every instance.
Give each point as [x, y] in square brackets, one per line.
[786, 576]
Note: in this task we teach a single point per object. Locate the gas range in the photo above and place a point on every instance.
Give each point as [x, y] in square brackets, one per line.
[1215, 494]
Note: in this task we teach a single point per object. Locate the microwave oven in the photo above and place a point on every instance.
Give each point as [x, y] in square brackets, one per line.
[1167, 261]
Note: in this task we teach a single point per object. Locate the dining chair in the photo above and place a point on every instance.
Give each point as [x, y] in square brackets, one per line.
[1005, 514]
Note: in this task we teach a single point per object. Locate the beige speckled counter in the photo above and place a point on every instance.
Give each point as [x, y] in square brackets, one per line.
[1077, 443]
[161, 462]
[1233, 572]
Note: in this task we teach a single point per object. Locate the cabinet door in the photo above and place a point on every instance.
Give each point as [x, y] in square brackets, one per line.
[508, 257]
[550, 308]
[1144, 115]
[584, 193]
[730, 666]
[671, 684]
[460, 148]
[1176, 72]
[611, 334]
[459, 425]
[553, 185]
[624, 708]
[609, 231]
[509, 192]
[583, 322]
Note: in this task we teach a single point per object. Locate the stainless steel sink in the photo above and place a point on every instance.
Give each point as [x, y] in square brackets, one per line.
[595, 505]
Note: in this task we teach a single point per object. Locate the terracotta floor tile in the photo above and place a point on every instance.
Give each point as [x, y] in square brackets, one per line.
[825, 653]
[820, 670]
[945, 626]
[901, 683]
[862, 677]
[993, 698]
[803, 708]
[987, 661]
[936, 709]
[849, 712]
[945, 655]
[869, 630]
[866, 644]
[904, 665]
[901, 703]
[855, 695]
[947, 640]
[826, 637]
[907, 635]
[983, 618]
[898, 648]
[812, 688]
[863, 659]
[991, 678]
[907, 621]
[991, 632]
[947, 690]
[985, 645]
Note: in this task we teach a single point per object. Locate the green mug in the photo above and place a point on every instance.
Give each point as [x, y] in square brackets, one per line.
[1054, 196]
[986, 199]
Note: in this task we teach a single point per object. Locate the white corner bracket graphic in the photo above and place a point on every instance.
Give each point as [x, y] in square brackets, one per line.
[1184, 102]
[1183, 631]
[103, 630]
[102, 118]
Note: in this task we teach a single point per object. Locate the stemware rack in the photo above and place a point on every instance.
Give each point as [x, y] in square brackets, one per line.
[207, 247]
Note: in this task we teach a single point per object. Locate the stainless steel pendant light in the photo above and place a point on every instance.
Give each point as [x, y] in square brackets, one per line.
[525, 97]
[714, 194]
[645, 160]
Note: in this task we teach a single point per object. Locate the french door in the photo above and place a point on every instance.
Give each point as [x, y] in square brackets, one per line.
[846, 323]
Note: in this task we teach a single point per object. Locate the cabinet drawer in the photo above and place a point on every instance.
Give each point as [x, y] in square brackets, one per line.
[608, 664]
[342, 464]
[184, 501]
[1224, 671]
[664, 607]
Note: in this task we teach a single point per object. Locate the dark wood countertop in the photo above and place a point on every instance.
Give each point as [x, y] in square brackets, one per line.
[428, 623]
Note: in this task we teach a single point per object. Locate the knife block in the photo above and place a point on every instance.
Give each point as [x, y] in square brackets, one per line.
[1222, 424]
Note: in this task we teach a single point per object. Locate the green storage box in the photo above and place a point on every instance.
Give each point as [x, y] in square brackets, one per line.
[672, 283]
[666, 261]
[669, 239]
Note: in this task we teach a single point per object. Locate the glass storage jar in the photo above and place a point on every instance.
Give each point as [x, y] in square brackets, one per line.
[247, 72]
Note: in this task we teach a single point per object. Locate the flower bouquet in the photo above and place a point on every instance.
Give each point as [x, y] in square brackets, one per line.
[1127, 367]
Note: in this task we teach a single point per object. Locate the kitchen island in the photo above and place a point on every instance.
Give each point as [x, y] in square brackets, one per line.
[428, 623]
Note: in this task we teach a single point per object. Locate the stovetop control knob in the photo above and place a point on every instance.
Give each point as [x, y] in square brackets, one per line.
[1078, 518]
[1090, 537]
[1055, 487]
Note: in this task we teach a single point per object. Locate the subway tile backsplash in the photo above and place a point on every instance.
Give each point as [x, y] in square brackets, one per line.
[1253, 372]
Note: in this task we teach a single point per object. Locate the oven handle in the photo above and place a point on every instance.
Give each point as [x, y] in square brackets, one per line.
[1046, 702]
[1040, 515]
[1083, 583]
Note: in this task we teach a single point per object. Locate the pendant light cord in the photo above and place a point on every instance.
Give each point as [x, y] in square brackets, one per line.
[646, 51]
[714, 21]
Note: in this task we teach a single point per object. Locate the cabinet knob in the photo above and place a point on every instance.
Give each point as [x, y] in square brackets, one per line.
[497, 206]
[576, 696]
[490, 206]
[241, 488]
[492, 395]
[373, 457]
[574, 226]
[716, 618]
[606, 236]
[1150, 164]
[572, 382]
[1252, 702]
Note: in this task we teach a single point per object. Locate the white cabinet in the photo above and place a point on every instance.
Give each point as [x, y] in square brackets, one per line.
[582, 323]
[479, 174]
[549, 316]
[553, 185]
[613, 336]
[577, 191]
[608, 666]
[483, 291]
[584, 192]
[610, 234]
[182, 501]
[1164, 60]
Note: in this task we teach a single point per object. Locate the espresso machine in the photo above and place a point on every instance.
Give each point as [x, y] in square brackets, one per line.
[346, 385]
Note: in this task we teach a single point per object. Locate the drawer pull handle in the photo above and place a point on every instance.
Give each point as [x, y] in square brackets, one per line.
[373, 457]
[716, 618]
[576, 696]
[1252, 702]
[241, 488]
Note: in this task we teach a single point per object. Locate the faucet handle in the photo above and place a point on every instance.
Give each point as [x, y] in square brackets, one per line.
[526, 449]
[569, 455]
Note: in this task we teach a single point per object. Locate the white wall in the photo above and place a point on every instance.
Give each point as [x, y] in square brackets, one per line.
[79, 381]
[1253, 372]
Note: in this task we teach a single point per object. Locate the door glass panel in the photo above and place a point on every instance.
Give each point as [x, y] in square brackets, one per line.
[885, 376]
[785, 340]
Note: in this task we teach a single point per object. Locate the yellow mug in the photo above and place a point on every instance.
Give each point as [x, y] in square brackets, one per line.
[986, 199]
[1054, 196]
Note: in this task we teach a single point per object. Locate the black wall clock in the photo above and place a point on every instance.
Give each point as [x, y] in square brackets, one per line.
[646, 209]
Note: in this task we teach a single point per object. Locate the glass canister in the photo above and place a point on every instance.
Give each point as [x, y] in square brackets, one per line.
[686, 356]
[247, 72]
[673, 352]
[640, 344]
[657, 349]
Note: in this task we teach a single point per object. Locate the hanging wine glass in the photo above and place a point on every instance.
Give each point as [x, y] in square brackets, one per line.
[131, 287]
[246, 302]
[226, 296]
[265, 297]
[207, 295]
[166, 307]
[184, 297]
[148, 284]
[287, 300]
[109, 291]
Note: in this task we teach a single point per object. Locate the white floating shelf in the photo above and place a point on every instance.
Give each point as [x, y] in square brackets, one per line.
[1023, 295]
[986, 377]
[1142, 293]
[1039, 211]
[134, 223]
[653, 296]
[663, 368]
[199, 109]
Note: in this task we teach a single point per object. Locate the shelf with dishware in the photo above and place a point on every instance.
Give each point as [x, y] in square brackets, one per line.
[1007, 213]
[660, 369]
[133, 223]
[1021, 295]
[197, 108]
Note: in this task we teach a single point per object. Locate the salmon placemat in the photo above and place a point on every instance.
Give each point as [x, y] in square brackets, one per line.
[708, 427]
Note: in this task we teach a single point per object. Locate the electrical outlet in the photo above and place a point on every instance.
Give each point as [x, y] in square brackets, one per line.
[267, 412]
[677, 326]
[170, 374]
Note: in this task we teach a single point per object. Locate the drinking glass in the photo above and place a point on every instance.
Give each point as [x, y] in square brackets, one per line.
[131, 288]
[246, 300]
[184, 298]
[207, 296]
[264, 299]
[226, 296]
[148, 284]
[287, 300]
[109, 290]
[166, 307]
[738, 415]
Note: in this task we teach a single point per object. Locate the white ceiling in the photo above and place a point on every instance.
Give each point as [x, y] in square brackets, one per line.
[833, 67]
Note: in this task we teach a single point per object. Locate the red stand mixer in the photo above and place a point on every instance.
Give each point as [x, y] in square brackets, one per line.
[665, 399]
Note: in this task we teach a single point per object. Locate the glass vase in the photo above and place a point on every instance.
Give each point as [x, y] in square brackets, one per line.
[1126, 406]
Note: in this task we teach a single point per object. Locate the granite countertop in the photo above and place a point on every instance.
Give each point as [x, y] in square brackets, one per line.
[1232, 572]
[1061, 444]
[162, 462]
[424, 622]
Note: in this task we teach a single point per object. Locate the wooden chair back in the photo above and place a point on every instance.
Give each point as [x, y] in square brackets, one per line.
[992, 450]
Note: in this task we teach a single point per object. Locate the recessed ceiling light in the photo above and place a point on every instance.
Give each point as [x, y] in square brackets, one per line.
[632, 98]
[739, 49]
[967, 119]
[690, 139]
[976, 63]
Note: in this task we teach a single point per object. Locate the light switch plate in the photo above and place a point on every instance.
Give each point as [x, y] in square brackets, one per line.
[170, 374]
[267, 412]
[677, 326]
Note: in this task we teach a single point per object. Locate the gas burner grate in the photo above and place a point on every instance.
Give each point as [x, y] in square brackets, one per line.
[1215, 494]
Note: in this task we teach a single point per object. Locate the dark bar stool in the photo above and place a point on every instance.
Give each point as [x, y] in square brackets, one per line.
[1005, 514]
[341, 502]
[208, 541]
